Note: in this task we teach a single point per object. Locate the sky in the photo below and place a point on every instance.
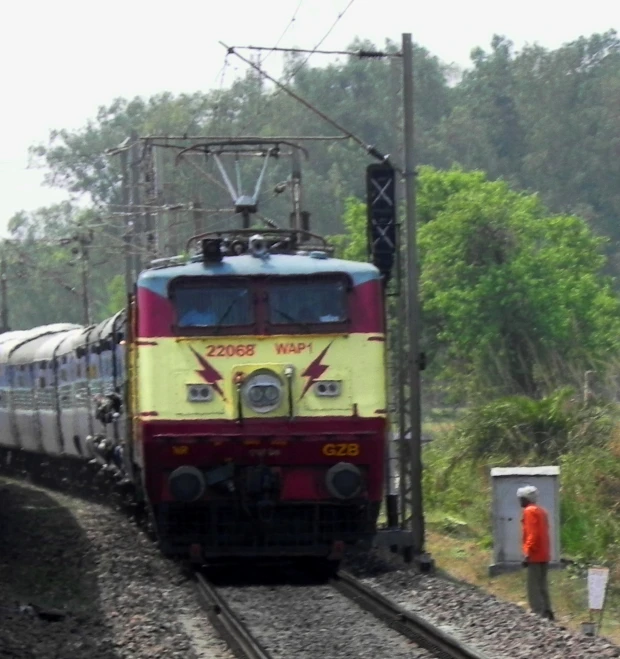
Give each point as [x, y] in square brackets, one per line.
[62, 60]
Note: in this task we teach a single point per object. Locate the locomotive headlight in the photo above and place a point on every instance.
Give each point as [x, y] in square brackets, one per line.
[186, 484]
[262, 392]
[343, 480]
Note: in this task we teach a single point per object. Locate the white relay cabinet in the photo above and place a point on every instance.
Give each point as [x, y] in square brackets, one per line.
[507, 512]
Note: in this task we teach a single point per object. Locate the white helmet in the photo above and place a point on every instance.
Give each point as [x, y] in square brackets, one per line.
[528, 492]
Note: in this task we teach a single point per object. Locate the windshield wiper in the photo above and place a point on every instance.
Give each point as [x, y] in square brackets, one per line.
[290, 318]
[229, 308]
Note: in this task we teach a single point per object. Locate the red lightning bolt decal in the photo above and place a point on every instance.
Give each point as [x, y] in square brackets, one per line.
[314, 371]
[208, 373]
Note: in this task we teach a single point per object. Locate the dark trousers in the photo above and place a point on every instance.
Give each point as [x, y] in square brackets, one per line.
[538, 589]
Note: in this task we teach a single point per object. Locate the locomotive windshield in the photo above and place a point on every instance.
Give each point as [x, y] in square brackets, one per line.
[206, 306]
[308, 303]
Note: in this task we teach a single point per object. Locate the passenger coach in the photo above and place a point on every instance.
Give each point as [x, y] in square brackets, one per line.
[241, 397]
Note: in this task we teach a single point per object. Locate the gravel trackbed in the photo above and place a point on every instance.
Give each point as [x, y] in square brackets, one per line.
[79, 581]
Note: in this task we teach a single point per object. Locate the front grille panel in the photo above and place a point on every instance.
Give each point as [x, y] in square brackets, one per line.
[228, 527]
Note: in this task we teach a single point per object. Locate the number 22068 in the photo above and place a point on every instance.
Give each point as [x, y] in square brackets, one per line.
[230, 350]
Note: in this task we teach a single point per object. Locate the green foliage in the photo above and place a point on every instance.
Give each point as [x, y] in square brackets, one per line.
[510, 290]
[544, 120]
[455, 487]
[117, 295]
[513, 298]
[435, 188]
[581, 439]
[359, 94]
[354, 244]
[589, 504]
[528, 430]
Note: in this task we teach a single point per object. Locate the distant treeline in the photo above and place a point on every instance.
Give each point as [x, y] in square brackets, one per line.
[543, 120]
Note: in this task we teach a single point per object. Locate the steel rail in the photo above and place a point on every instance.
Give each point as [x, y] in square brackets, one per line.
[232, 629]
[411, 625]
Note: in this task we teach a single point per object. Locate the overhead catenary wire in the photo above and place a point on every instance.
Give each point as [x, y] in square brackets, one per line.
[362, 54]
[290, 76]
[216, 106]
[320, 43]
[286, 29]
[346, 134]
[371, 150]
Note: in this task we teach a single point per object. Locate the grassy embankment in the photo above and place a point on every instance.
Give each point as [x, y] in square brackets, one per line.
[583, 441]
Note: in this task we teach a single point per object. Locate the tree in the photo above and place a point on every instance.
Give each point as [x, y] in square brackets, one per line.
[544, 120]
[541, 120]
[512, 297]
[491, 95]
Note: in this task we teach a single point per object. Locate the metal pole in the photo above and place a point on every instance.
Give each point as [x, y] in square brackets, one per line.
[197, 213]
[160, 240]
[134, 171]
[4, 293]
[149, 179]
[296, 190]
[402, 380]
[413, 316]
[127, 228]
[396, 155]
[84, 241]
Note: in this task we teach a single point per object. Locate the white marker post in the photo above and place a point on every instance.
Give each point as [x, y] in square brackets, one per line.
[598, 578]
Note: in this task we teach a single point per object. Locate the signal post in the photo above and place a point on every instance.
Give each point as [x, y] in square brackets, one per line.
[405, 512]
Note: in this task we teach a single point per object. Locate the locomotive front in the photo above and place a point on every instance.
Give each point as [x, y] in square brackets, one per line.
[259, 400]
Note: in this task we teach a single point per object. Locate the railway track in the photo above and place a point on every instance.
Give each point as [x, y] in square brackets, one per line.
[222, 617]
[414, 627]
[424, 635]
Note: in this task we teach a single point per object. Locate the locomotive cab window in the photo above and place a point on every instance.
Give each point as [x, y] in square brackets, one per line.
[211, 305]
[318, 303]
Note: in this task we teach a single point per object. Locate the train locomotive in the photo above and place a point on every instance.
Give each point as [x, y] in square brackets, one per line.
[241, 396]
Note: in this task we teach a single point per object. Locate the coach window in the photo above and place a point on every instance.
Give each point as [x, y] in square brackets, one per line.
[212, 306]
[321, 305]
[42, 374]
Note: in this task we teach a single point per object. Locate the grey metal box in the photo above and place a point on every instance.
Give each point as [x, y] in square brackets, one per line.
[507, 513]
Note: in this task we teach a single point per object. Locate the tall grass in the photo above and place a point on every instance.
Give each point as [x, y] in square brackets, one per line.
[583, 439]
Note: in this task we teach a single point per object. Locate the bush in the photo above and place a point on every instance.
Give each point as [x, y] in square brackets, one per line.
[527, 430]
[581, 438]
[590, 489]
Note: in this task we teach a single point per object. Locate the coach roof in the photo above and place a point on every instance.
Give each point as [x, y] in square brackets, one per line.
[247, 265]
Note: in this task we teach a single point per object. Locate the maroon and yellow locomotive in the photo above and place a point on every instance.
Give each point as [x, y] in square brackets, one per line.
[258, 398]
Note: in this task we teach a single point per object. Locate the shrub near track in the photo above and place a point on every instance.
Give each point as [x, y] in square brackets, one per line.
[583, 439]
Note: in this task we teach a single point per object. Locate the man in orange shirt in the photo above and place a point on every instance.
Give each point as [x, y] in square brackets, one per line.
[536, 552]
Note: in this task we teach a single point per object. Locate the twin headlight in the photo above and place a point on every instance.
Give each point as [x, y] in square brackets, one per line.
[263, 392]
